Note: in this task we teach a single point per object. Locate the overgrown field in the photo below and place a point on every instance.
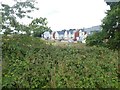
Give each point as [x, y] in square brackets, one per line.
[31, 63]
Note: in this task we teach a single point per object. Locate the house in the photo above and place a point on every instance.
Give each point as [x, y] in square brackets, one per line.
[71, 34]
[52, 35]
[59, 35]
[66, 35]
[84, 36]
[81, 35]
[56, 35]
[46, 35]
[76, 35]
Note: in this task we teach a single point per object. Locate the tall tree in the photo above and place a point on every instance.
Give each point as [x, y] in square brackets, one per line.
[38, 26]
[11, 13]
[111, 26]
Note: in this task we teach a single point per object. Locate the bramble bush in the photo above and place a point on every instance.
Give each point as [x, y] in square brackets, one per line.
[96, 39]
[29, 62]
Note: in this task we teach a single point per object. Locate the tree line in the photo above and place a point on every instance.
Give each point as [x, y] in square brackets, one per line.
[109, 36]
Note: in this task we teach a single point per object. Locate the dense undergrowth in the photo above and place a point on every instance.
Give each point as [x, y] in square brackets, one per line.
[31, 63]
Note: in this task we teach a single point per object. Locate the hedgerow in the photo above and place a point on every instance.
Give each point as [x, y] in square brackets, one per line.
[29, 62]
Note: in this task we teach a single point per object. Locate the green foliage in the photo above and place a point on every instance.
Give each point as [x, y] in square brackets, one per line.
[39, 26]
[96, 39]
[111, 26]
[110, 35]
[29, 62]
[10, 14]
[21, 9]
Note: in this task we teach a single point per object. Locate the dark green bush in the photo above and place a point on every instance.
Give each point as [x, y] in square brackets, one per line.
[95, 39]
[31, 63]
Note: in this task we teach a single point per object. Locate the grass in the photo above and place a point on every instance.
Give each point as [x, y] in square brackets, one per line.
[65, 44]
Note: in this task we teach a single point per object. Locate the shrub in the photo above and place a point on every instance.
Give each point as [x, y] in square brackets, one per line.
[31, 63]
[96, 39]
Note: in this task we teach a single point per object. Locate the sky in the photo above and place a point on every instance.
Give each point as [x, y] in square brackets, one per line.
[69, 14]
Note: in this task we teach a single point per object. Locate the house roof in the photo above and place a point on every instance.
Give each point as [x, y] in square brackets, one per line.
[61, 32]
[82, 30]
[71, 31]
[67, 31]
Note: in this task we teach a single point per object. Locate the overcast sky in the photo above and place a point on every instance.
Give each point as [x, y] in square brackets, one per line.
[68, 14]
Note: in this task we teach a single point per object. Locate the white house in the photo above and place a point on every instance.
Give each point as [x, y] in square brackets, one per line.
[61, 34]
[84, 36]
[71, 34]
[56, 35]
[66, 35]
[81, 33]
[46, 35]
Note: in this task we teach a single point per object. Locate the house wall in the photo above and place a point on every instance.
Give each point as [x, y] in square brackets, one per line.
[71, 35]
[80, 35]
[52, 36]
[66, 35]
[46, 35]
[56, 36]
[84, 36]
[76, 36]
[61, 36]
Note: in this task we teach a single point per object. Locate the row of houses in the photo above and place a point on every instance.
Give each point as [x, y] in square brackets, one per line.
[71, 34]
